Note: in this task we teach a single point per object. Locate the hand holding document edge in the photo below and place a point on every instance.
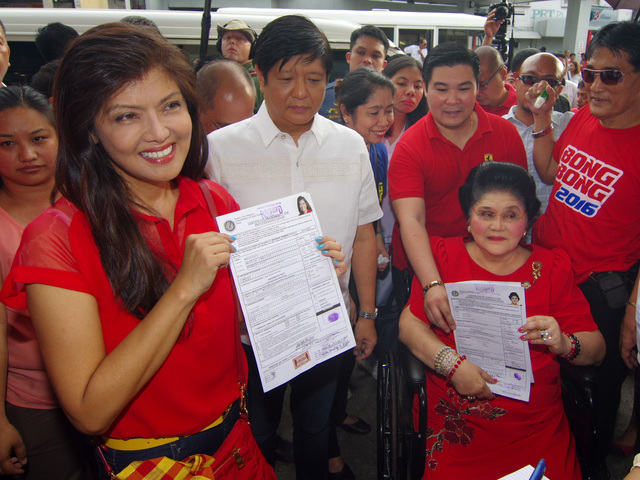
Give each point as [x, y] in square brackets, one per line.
[289, 292]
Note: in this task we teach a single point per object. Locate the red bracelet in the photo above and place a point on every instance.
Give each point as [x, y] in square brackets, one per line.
[455, 367]
[575, 347]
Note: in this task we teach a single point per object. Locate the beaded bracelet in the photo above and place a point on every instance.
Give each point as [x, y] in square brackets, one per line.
[447, 361]
[575, 347]
[455, 367]
[435, 283]
[445, 357]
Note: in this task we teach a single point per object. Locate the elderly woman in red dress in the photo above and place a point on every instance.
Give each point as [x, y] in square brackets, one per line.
[471, 432]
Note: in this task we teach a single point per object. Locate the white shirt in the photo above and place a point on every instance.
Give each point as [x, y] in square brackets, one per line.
[570, 90]
[560, 122]
[257, 163]
[414, 51]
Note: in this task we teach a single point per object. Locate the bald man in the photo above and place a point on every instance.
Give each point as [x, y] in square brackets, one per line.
[494, 95]
[541, 66]
[227, 94]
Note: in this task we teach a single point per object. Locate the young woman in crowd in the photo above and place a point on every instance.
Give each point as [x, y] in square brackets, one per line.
[573, 71]
[469, 426]
[409, 106]
[34, 432]
[364, 99]
[125, 277]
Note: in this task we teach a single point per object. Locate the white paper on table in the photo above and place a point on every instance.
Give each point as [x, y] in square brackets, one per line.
[523, 474]
[486, 332]
[289, 293]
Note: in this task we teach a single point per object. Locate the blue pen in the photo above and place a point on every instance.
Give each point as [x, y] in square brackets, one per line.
[538, 473]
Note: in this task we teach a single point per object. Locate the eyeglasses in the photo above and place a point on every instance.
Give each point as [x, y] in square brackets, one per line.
[531, 80]
[608, 77]
[489, 216]
[484, 85]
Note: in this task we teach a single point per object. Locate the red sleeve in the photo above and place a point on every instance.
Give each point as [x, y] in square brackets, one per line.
[45, 256]
[567, 303]
[409, 163]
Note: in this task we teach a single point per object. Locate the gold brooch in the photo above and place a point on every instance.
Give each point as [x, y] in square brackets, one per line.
[535, 273]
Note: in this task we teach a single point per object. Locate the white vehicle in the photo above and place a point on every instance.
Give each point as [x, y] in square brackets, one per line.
[179, 27]
[403, 28]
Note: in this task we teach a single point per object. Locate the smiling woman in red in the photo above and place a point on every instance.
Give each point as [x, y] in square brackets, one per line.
[124, 276]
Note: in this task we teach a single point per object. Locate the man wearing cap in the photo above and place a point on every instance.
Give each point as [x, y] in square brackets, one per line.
[235, 42]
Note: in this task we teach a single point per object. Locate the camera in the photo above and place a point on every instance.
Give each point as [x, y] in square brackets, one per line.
[503, 10]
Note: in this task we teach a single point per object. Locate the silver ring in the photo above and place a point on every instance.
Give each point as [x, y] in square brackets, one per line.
[545, 335]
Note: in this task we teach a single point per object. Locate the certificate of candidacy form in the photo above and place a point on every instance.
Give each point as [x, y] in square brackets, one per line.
[488, 315]
[289, 293]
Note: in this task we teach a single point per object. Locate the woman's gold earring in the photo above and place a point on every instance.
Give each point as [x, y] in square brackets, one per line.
[469, 228]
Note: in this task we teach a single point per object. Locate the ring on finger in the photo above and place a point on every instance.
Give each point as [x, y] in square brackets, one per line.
[545, 335]
[470, 397]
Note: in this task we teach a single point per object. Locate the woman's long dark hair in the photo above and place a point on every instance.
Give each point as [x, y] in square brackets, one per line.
[97, 66]
[394, 65]
[26, 97]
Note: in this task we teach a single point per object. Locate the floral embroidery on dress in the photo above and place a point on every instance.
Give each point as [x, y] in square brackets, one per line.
[455, 430]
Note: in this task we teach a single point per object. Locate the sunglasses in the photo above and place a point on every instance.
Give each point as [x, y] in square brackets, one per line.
[531, 80]
[608, 77]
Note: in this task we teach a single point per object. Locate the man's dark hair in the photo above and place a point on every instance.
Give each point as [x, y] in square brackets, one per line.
[140, 21]
[53, 39]
[450, 54]
[581, 84]
[43, 80]
[521, 56]
[290, 36]
[369, 31]
[618, 37]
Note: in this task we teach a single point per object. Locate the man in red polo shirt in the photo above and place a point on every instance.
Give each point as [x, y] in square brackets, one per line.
[494, 94]
[434, 157]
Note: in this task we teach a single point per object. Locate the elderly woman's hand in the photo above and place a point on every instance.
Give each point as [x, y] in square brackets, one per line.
[544, 330]
[330, 248]
[470, 381]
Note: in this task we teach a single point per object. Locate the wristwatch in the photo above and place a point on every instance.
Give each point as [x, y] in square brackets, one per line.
[371, 315]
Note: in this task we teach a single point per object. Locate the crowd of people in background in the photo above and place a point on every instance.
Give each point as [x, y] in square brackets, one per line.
[119, 334]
